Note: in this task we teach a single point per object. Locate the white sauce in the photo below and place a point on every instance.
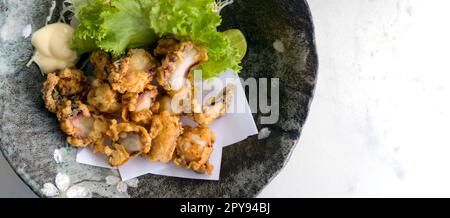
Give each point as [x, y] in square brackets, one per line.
[53, 51]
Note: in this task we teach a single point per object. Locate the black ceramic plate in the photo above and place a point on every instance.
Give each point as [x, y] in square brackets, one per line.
[280, 36]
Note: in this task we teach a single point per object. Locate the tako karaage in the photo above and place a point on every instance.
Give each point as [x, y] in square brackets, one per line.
[123, 112]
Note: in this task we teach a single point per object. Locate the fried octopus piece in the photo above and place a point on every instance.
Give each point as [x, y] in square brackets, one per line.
[71, 82]
[194, 148]
[101, 61]
[63, 85]
[81, 126]
[140, 107]
[128, 140]
[178, 103]
[165, 131]
[51, 95]
[103, 97]
[177, 65]
[117, 155]
[214, 107]
[166, 45]
[132, 73]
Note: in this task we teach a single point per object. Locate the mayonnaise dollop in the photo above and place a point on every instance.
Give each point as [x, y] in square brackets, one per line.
[52, 44]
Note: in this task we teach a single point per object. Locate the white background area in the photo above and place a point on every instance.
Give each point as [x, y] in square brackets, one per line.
[378, 126]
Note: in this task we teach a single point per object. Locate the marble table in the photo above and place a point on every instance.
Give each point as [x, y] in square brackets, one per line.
[377, 126]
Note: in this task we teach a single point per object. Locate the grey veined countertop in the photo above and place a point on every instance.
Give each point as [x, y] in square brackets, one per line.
[378, 124]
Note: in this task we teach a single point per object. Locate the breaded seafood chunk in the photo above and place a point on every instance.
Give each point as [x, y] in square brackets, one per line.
[128, 140]
[178, 103]
[132, 73]
[103, 97]
[214, 107]
[140, 107]
[63, 85]
[194, 149]
[165, 131]
[166, 45]
[81, 125]
[175, 68]
[101, 61]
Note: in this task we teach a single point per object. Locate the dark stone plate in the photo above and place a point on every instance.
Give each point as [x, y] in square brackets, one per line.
[281, 43]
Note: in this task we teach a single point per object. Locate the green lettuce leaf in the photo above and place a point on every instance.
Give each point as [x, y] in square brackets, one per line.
[116, 25]
[126, 26]
[79, 4]
[90, 31]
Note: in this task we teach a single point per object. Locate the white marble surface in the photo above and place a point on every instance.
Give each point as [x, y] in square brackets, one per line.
[377, 126]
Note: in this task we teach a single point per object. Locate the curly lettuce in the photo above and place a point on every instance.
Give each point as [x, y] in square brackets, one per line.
[112, 26]
[116, 25]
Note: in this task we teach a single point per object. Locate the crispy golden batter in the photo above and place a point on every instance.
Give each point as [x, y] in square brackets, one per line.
[194, 148]
[132, 73]
[63, 85]
[71, 82]
[103, 98]
[51, 96]
[140, 107]
[82, 126]
[215, 107]
[166, 45]
[117, 155]
[114, 115]
[101, 61]
[134, 138]
[123, 141]
[165, 131]
[102, 146]
[175, 68]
